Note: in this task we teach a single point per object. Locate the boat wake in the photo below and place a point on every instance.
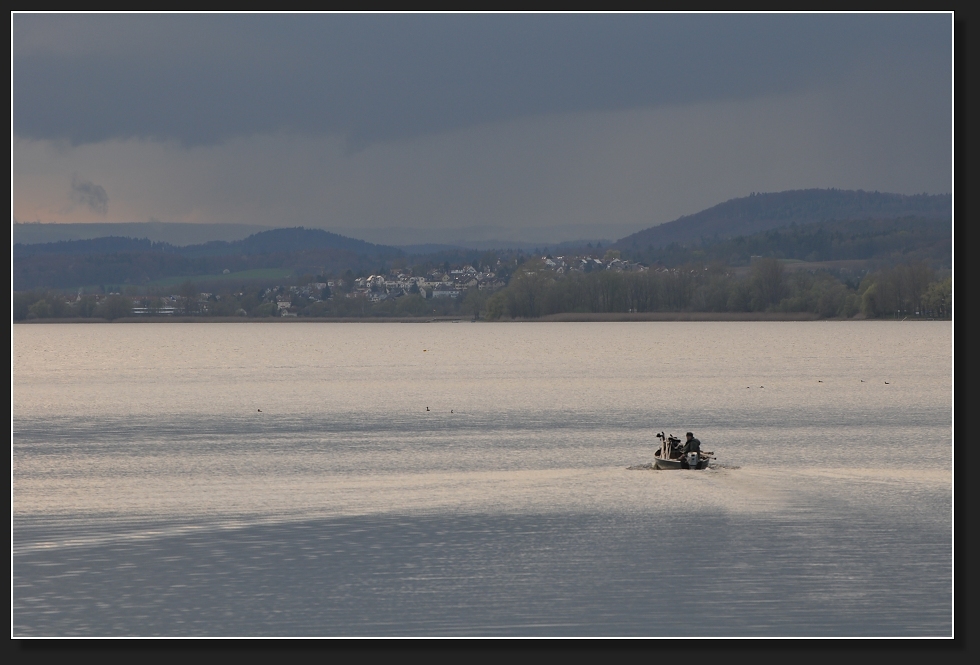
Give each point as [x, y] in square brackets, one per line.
[653, 467]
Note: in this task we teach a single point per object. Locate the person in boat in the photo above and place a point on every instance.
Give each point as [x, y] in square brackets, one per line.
[692, 445]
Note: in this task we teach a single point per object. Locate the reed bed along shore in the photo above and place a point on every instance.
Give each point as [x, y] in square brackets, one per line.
[564, 317]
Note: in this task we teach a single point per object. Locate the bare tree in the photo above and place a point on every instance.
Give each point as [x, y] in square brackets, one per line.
[188, 297]
[769, 277]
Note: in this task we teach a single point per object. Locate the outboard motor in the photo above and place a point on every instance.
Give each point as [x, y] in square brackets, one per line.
[692, 460]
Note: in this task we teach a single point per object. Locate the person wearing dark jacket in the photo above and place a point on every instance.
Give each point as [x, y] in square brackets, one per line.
[692, 445]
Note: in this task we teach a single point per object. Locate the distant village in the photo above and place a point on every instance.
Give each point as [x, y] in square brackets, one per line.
[435, 284]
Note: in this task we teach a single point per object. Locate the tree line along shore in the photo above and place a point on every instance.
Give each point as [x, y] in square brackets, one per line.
[537, 288]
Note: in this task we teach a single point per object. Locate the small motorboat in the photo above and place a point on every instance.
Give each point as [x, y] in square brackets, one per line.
[671, 455]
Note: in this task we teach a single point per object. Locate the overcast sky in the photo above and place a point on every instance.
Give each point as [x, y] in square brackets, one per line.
[554, 124]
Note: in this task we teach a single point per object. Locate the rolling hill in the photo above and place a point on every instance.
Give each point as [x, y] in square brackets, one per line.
[761, 212]
[114, 260]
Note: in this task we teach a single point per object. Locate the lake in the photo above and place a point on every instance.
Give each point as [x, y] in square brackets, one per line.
[461, 479]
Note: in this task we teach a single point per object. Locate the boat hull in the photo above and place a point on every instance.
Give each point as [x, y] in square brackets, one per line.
[680, 463]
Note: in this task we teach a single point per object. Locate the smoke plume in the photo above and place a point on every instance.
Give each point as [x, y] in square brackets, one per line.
[90, 194]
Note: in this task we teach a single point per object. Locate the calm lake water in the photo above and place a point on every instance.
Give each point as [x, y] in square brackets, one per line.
[472, 479]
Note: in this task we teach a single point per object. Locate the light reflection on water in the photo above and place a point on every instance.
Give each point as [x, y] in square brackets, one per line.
[471, 479]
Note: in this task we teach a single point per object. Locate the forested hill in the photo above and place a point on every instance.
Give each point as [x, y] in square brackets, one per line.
[278, 241]
[110, 244]
[874, 242]
[113, 260]
[275, 241]
[761, 212]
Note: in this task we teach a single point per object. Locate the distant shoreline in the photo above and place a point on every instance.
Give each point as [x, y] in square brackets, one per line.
[552, 318]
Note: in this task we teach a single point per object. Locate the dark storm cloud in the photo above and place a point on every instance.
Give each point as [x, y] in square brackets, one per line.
[89, 194]
[203, 79]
